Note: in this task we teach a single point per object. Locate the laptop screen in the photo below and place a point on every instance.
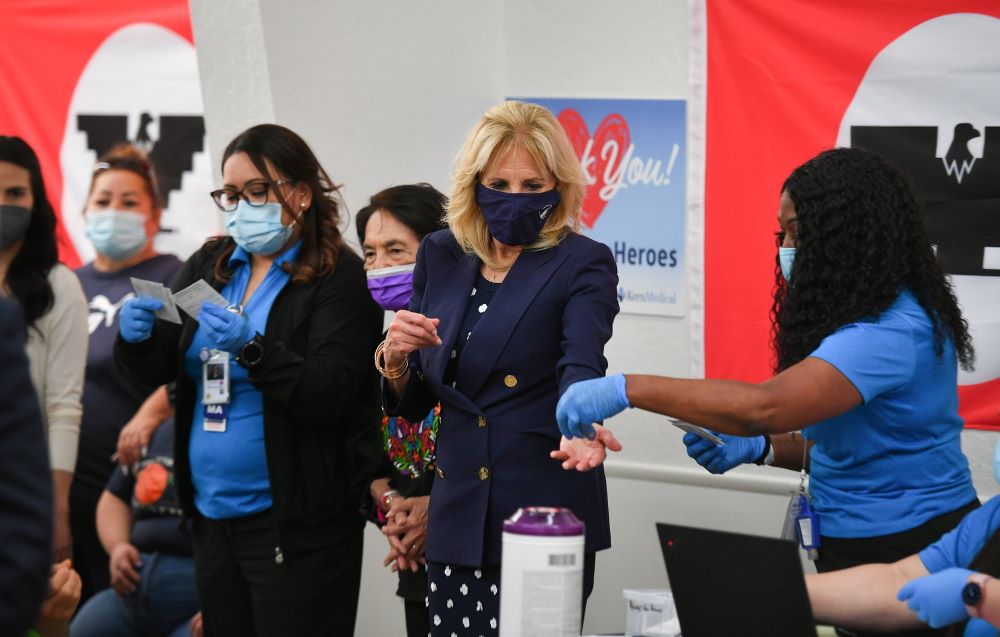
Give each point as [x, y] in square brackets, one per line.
[733, 584]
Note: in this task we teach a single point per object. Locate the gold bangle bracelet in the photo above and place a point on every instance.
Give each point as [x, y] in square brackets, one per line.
[389, 374]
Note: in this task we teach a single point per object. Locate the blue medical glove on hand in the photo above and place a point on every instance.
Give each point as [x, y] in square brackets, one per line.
[588, 401]
[979, 628]
[136, 319]
[228, 330]
[721, 458]
[937, 598]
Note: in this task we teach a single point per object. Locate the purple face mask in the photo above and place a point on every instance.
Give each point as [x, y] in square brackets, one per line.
[515, 219]
[391, 287]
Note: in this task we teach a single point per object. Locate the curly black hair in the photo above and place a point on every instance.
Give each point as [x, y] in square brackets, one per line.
[861, 240]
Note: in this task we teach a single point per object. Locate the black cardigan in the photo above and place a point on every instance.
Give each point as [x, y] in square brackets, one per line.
[321, 408]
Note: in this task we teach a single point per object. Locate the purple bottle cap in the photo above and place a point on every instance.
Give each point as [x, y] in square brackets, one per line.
[543, 521]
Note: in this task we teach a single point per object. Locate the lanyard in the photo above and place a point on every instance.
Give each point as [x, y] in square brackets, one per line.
[801, 522]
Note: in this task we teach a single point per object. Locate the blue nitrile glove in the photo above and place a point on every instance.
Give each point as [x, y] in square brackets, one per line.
[136, 319]
[937, 598]
[588, 401]
[721, 458]
[979, 628]
[228, 330]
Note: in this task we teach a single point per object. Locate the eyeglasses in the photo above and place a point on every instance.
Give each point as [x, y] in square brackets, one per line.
[255, 193]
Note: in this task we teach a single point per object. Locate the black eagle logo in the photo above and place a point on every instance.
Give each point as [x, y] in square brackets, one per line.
[171, 154]
[960, 194]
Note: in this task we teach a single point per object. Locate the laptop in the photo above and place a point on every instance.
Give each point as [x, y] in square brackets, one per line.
[733, 584]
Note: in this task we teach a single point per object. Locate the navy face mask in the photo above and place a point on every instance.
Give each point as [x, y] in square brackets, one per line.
[515, 219]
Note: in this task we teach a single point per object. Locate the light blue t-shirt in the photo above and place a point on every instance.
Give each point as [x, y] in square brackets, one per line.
[958, 547]
[895, 461]
[229, 469]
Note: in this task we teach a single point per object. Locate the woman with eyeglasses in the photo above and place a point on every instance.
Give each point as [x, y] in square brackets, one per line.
[55, 313]
[266, 459]
[122, 218]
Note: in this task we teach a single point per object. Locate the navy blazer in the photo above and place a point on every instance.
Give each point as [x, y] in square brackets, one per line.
[544, 330]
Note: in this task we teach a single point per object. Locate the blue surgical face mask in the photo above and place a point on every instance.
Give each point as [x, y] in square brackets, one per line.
[116, 234]
[258, 229]
[785, 257]
[515, 219]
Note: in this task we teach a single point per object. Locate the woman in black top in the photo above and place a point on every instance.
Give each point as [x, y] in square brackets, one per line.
[390, 228]
[269, 472]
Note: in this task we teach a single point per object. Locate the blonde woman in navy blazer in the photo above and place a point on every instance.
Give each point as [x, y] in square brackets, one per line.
[510, 307]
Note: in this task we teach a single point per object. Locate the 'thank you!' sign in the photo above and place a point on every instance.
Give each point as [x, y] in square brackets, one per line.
[633, 156]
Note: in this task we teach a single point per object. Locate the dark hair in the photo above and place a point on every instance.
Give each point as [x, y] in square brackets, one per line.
[293, 159]
[861, 240]
[27, 277]
[419, 207]
[127, 157]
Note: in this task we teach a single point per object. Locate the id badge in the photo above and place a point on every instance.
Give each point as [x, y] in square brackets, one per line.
[807, 528]
[215, 377]
[215, 418]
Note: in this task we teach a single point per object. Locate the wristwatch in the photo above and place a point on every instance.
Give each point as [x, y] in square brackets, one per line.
[974, 593]
[251, 353]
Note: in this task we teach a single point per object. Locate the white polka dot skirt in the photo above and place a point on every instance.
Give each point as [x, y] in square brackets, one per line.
[463, 601]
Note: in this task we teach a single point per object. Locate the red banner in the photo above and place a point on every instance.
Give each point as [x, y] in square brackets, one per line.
[786, 79]
[47, 46]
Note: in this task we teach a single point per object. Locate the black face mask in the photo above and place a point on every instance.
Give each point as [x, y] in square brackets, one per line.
[14, 222]
[515, 219]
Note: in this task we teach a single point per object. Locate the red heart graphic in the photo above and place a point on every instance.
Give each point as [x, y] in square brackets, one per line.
[603, 165]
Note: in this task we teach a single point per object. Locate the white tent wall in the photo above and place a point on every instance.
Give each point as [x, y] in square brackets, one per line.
[385, 93]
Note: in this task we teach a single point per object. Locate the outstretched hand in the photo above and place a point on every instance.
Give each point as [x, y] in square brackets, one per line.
[721, 458]
[584, 454]
[589, 401]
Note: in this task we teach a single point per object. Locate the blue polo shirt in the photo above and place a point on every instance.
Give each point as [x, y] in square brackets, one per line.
[229, 469]
[895, 461]
[958, 547]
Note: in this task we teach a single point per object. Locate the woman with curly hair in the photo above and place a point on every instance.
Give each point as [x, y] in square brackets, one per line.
[868, 337]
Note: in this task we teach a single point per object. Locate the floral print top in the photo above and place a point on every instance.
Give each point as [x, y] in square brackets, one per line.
[410, 446]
